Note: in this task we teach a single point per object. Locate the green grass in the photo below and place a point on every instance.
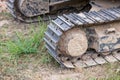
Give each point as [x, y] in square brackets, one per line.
[116, 77]
[113, 72]
[23, 49]
[26, 44]
[5, 15]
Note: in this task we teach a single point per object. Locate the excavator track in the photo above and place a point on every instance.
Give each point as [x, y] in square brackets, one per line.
[13, 8]
[64, 23]
[16, 13]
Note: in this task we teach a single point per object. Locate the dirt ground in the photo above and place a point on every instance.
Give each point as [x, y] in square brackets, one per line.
[29, 67]
[3, 6]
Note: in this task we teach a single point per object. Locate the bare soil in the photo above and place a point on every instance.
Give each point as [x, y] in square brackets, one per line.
[3, 6]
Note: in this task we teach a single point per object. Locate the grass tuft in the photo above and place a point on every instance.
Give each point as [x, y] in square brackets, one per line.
[114, 77]
[26, 44]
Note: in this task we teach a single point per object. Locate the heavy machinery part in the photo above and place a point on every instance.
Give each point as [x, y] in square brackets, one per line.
[29, 10]
[104, 38]
[102, 32]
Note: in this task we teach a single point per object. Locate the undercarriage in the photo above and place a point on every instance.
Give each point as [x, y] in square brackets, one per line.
[86, 39]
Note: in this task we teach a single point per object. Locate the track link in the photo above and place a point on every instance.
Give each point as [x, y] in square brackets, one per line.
[66, 22]
[16, 13]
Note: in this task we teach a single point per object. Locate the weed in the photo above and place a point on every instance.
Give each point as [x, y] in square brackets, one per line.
[114, 77]
[2, 47]
[92, 79]
[27, 44]
[46, 58]
[67, 79]
[5, 15]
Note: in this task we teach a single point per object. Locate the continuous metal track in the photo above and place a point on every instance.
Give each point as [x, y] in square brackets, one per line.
[66, 22]
[14, 10]
[16, 13]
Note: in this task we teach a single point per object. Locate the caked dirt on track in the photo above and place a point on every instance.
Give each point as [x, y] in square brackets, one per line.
[30, 67]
